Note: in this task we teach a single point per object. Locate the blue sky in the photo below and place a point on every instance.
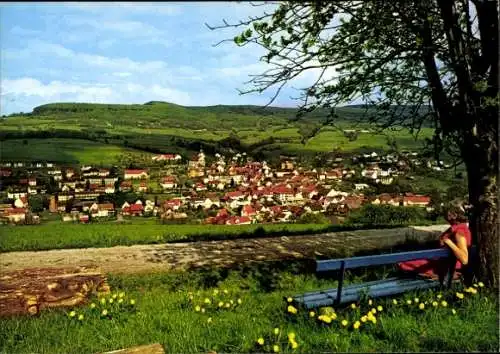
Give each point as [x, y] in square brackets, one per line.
[127, 53]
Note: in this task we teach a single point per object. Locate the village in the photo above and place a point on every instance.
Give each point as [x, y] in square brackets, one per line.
[227, 190]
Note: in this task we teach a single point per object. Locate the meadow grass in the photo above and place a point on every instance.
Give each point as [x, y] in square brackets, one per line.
[63, 150]
[164, 313]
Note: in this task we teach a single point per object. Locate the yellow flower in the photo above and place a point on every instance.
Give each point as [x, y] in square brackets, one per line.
[333, 316]
[453, 311]
[220, 304]
[370, 302]
[132, 302]
[364, 319]
[239, 301]
[216, 291]
[312, 314]
[473, 291]
[209, 320]
[80, 317]
[276, 331]
[394, 301]
[289, 299]
[104, 312]
[292, 309]
[325, 318]
[421, 306]
[416, 300]
[379, 308]
[374, 320]
[460, 295]
[115, 296]
[439, 296]
[72, 314]
[260, 341]
[353, 306]
[356, 325]
[374, 311]
[228, 305]
[231, 301]
[225, 291]
[291, 336]
[475, 285]
[92, 306]
[207, 301]
[103, 301]
[480, 284]
[344, 323]
[202, 310]
[120, 301]
[294, 345]
[191, 297]
[197, 308]
[122, 294]
[276, 348]
[435, 304]
[444, 303]
[408, 302]
[111, 301]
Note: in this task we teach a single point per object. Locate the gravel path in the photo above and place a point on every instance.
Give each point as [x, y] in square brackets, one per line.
[192, 255]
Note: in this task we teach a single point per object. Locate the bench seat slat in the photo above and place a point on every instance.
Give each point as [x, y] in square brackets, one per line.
[380, 290]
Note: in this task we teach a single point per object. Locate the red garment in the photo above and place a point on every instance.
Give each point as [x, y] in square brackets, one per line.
[433, 267]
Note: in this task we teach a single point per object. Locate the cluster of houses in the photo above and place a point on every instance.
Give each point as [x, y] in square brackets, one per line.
[226, 191]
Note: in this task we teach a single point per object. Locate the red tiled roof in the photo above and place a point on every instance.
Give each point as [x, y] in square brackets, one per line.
[135, 172]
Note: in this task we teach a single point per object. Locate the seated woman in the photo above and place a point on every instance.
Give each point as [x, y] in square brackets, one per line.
[457, 237]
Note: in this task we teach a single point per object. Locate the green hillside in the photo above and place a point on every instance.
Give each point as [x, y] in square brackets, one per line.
[166, 127]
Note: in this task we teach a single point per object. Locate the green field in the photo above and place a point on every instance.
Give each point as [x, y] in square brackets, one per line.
[163, 313]
[166, 127]
[64, 151]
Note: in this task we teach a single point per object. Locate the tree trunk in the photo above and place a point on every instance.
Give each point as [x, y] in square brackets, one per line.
[483, 196]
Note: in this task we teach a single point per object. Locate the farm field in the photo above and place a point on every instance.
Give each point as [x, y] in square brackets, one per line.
[163, 312]
[64, 151]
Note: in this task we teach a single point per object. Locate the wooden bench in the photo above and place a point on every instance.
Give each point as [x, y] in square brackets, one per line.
[379, 288]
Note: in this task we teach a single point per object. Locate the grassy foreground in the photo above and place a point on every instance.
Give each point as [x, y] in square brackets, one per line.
[174, 311]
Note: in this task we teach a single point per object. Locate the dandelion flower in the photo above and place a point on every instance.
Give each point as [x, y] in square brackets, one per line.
[333, 316]
[260, 341]
[325, 318]
[80, 317]
[374, 311]
[370, 302]
[225, 291]
[120, 301]
[421, 306]
[439, 296]
[353, 306]
[394, 301]
[364, 319]
[103, 301]
[291, 336]
[481, 284]
[209, 320]
[132, 302]
[312, 314]
[460, 295]
[444, 303]
[294, 345]
[292, 309]
[111, 301]
[379, 308]
[202, 310]
[115, 296]
[356, 325]
[92, 306]
[276, 331]
[231, 301]
[408, 302]
[191, 297]
[207, 301]
[227, 305]
[344, 323]
[122, 294]
[289, 299]
[473, 291]
[416, 300]
[216, 291]
[197, 308]
[104, 312]
[374, 320]
[72, 314]
[435, 304]
[453, 311]
[239, 301]
[220, 304]
[276, 348]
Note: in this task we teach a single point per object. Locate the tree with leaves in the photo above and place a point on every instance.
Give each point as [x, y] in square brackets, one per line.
[413, 63]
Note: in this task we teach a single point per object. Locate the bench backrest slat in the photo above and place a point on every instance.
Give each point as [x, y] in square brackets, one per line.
[357, 262]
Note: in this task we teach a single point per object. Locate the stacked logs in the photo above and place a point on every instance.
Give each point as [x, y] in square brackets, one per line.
[28, 291]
